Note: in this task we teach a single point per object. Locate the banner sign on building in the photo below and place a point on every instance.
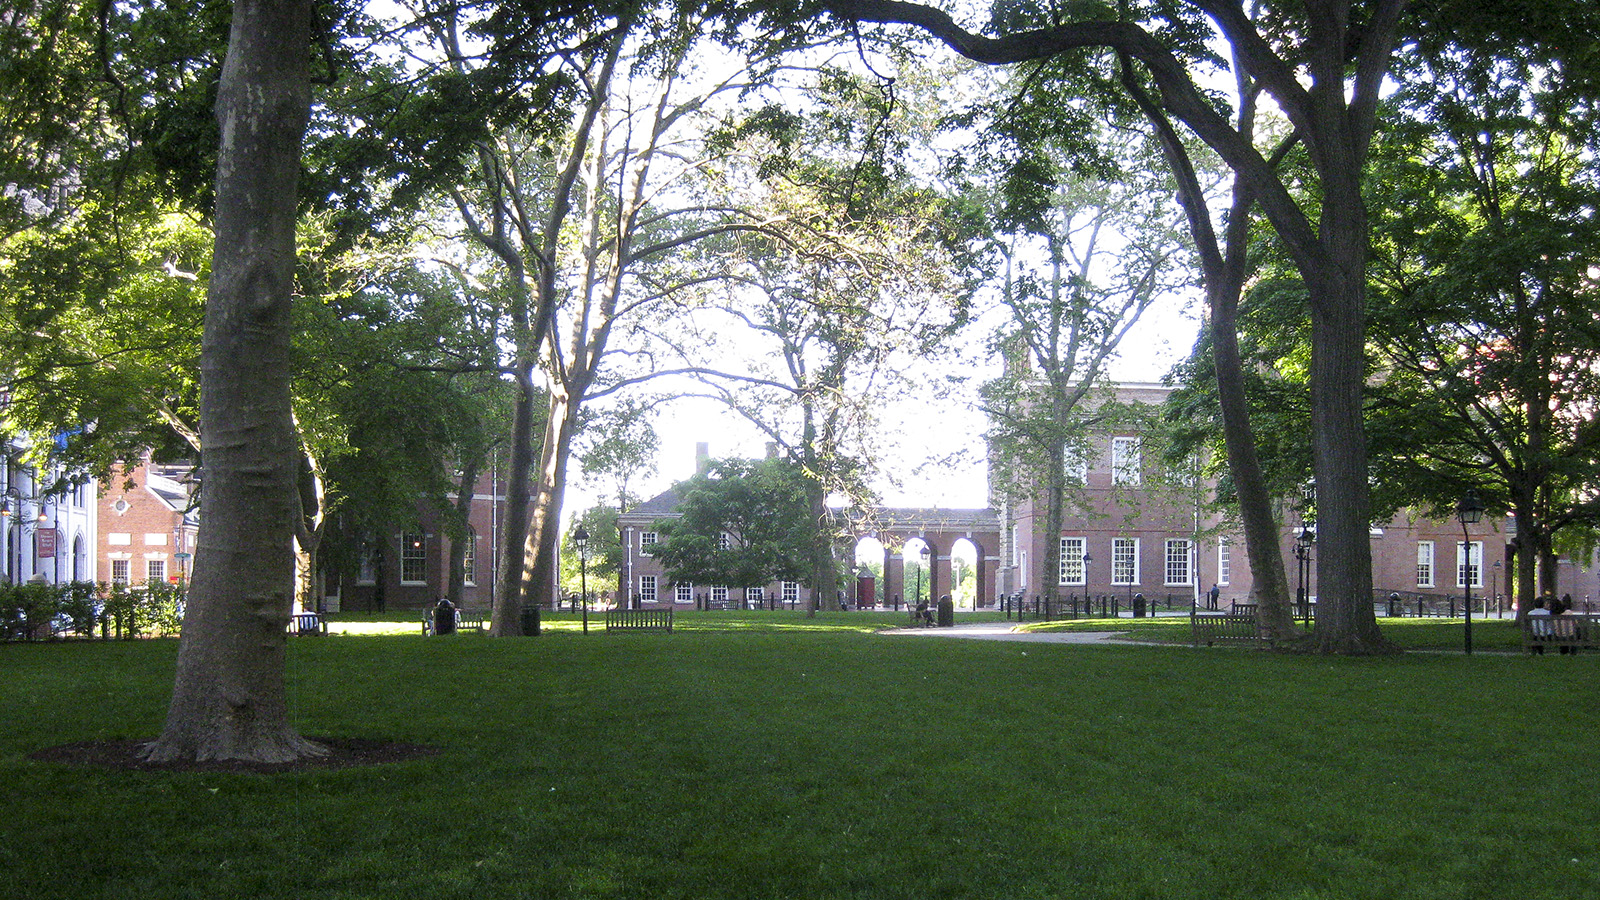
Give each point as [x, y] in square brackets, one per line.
[47, 543]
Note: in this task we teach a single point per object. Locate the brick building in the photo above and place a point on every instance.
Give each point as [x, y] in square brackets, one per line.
[148, 524]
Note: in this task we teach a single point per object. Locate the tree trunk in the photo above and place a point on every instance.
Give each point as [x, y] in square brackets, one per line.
[461, 513]
[506, 618]
[229, 697]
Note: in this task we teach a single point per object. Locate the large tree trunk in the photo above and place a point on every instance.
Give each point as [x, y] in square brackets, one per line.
[229, 698]
[506, 618]
[461, 514]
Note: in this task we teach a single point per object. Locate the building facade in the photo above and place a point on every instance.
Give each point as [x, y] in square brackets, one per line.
[149, 522]
[47, 535]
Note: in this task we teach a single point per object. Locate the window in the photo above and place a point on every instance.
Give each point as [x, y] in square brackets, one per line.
[647, 542]
[1178, 573]
[1224, 561]
[791, 591]
[724, 541]
[413, 558]
[155, 571]
[469, 558]
[754, 597]
[647, 588]
[1126, 461]
[684, 593]
[1425, 564]
[1075, 463]
[367, 567]
[1125, 561]
[1469, 565]
[719, 594]
[119, 571]
[1072, 550]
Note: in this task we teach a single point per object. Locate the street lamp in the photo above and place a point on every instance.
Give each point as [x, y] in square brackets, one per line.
[1494, 587]
[1302, 555]
[580, 540]
[1088, 605]
[1468, 511]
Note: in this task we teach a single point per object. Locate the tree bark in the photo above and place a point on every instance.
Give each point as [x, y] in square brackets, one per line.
[229, 696]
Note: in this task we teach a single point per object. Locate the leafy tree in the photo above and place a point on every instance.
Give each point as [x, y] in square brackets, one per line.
[605, 553]
[743, 524]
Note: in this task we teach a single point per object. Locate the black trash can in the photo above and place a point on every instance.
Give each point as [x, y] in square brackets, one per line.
[1138, 606]
[947, 612]
[530, 620]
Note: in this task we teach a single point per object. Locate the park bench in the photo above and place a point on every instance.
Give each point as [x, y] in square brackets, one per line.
[466, 620]
[307, 623]
[1228, 628]
[1575, 632]
[639, 619]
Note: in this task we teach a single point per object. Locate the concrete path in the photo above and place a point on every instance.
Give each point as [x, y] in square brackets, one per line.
[1003, 631]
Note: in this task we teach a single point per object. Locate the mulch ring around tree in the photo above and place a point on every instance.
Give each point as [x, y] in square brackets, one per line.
[343, 753]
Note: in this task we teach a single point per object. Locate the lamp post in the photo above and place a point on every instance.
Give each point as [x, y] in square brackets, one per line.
[1494, 587]
[580, 540]
[1302, 555]
[1468, 512]
[1087, 603]
[10, 505]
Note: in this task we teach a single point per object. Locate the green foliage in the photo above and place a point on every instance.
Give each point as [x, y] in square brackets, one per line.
[605, 553]
[741, 524]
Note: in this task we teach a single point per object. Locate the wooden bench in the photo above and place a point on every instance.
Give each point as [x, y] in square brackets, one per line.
[466, 620]
[639, 619]
[1572, 632]
[307, 623]
[1228, 628]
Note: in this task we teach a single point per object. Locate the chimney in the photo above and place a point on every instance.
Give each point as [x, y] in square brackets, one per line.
[702, 457]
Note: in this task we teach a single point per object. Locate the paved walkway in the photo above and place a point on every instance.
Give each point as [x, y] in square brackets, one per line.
[1003, 631]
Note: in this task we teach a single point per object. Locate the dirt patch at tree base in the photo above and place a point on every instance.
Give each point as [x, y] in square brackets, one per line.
[343, 753]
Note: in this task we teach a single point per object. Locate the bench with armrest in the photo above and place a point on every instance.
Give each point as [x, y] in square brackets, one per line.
[1572, 632]
[639, 619]
[307, 623]
[1226, 628]
[466, 620]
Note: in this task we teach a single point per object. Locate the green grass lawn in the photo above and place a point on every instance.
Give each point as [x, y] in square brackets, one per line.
[797, 758]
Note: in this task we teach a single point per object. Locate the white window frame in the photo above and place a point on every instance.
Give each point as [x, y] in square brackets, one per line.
[682, 593]
[1127, 461]
[366, 566]
[756, 595]
[413, 557]
[724, 541]
[120, 569]
[647, 589]
[1075, 465]
[1427, 568]
[790, 591]
[1469, 564]
[719, 593]
[155, 571]
[647, 539]
[1180, 562]
[469, 558]
[1125, 561]
[1224, 561]
[1072, 550]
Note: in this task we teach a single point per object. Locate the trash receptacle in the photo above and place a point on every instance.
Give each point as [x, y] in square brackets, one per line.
[530, 620]
[947, 612]
[1138, 606]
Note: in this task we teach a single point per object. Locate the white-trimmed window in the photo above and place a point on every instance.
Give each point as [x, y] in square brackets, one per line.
[413, 558]
[790, 591]
[155, 571]
[1224, 561]
[683, 593]
[724, 541]
[1075, 463]
[1072, 550]
[1425, 565]
[647, 588]
[754, 597]
[647, 542]
[119, 571]
[719, 593]
[1179, 571]
[469, 558]
[1469, 564]
[1124, 560]
[1127, 461]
